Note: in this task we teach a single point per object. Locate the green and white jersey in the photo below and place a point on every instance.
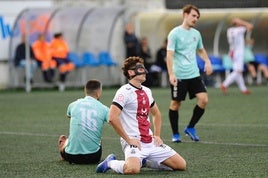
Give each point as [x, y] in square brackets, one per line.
[87, 118]
[184, 43]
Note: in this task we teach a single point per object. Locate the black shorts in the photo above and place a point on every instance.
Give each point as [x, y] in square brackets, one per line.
[61, 61]
[255, 64]
[192, 86]
[92, 158]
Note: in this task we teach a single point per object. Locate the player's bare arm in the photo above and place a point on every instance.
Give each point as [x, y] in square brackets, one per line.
[241, 22]
[169, 58]
[157, 123]
[114, 120]
[203, 54]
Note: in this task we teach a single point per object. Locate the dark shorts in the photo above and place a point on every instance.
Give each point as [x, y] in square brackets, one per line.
[255, 64]
[192, 86]
[61, 61]
[92, 158]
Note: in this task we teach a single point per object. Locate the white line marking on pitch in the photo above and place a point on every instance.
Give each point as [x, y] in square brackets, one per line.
[27, 134]
[225, 125]
[113, 138]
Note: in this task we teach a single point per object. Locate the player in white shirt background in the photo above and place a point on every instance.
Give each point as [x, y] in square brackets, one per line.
[236, 39]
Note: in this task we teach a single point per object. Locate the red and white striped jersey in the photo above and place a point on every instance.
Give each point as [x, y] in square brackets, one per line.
[135, 104]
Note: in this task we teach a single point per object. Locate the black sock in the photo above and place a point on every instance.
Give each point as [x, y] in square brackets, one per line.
[197, 114]
[46, 76]
[174, 121]
[63, 77]
[52, 73]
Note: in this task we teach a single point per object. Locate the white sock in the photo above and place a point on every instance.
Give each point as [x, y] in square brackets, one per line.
[230, 79]
[241, 83]
[155, 165]
[117, 166]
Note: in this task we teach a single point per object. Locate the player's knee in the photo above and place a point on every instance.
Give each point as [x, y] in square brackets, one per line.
[202, 101]
[132, 170]
[174, 105]
[205, 101]
[181, 166]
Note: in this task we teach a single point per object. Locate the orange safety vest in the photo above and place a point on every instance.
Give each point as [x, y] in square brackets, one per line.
[59, 48]
[42, 53]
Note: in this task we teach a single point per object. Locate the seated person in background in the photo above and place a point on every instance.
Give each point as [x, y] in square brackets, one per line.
[59, 51]
[160, 66]
[20, 57]
[87, 117]
[161, 56]
[252, 65]
[146, 56]
[42, 53]
[145, 53]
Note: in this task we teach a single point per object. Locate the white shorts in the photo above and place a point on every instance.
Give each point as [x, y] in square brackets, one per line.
[148, 151]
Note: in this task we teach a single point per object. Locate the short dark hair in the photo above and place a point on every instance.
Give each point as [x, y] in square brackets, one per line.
[57, 35]
[130, 63]
[92, 86]
[187, 9]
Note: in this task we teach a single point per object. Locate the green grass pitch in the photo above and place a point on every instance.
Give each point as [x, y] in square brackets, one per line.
[233, 134]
